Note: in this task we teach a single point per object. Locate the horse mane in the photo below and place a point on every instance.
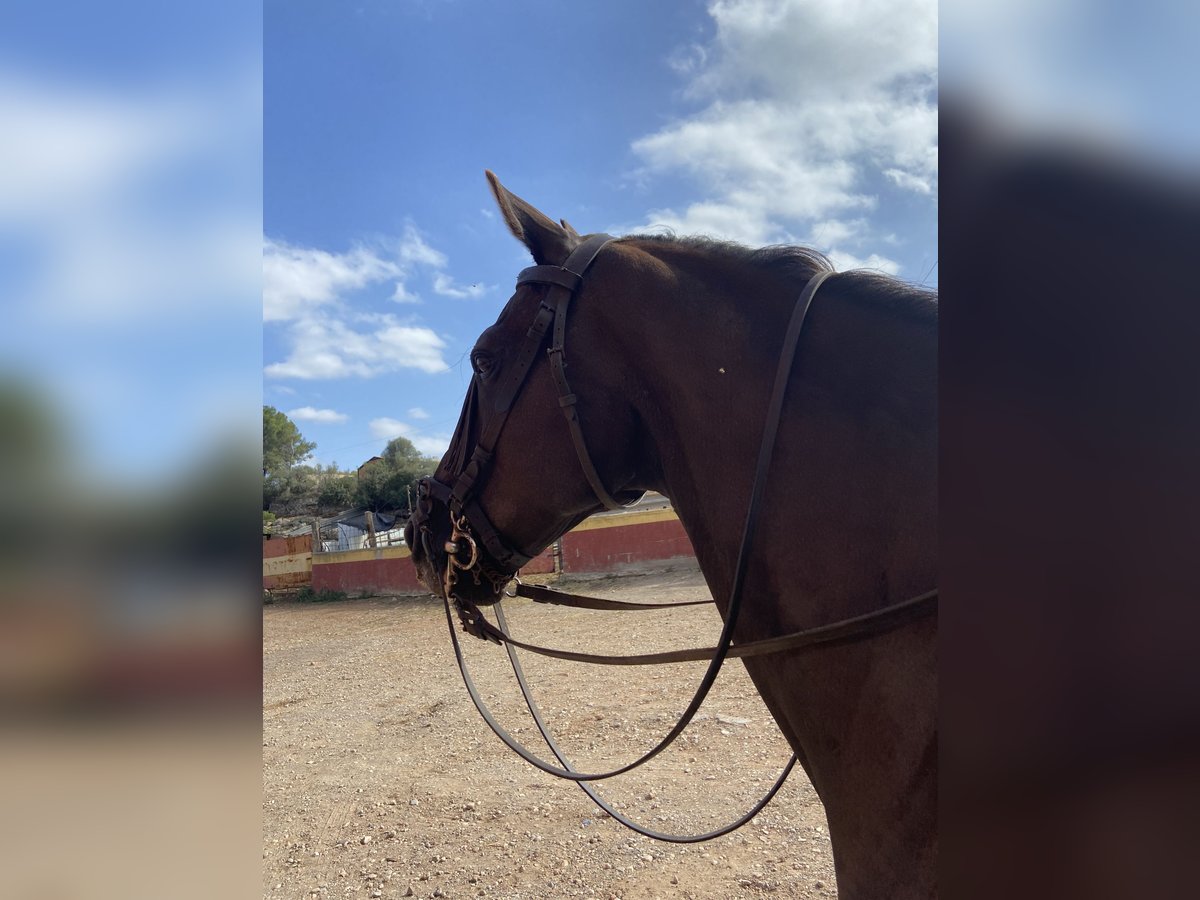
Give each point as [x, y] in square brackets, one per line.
[794, 265]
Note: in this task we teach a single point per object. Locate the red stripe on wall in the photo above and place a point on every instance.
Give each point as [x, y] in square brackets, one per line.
[287, 581]
[287, 546]
[393, 575]
[541, 564]
[607, 549]
[587, 550]
[378, 576]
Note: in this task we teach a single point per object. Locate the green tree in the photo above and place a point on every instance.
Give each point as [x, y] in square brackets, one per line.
[336, 490]
[400, 454]
[283, 444]
[386, 485]
[38, 476]
[32, 436]
[284, 447]
[290, 492]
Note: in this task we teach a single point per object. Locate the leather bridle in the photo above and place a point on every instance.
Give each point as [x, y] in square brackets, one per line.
[469, 523]
[462, 498]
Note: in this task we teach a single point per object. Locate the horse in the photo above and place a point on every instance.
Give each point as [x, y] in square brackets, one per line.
[673, 345]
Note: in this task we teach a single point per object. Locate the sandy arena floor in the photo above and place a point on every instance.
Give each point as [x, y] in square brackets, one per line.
[381, 780]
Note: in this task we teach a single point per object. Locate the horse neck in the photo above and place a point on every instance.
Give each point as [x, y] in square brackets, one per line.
[719, 338]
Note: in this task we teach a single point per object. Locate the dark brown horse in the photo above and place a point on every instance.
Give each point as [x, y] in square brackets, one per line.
[673, 345]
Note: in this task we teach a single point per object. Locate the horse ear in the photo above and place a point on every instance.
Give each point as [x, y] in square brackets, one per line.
[570, 230]
[548, 241]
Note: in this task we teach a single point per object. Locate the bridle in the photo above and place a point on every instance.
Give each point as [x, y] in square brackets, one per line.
[470, 526]
[468, 520]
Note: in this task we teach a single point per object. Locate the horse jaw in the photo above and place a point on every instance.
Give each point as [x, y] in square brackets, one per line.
[549, 242]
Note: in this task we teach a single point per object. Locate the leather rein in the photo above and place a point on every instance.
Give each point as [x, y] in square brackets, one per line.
[470, 527]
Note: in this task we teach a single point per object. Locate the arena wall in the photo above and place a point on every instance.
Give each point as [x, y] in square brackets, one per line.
[384, 571]
[633, 540]
[287, 562]
[623, 541]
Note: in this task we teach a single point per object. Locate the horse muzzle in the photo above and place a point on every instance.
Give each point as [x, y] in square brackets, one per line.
[420, 535]
[448, 557]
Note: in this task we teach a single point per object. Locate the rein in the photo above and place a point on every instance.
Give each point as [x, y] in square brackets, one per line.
[561, 757]
[468, 520]
[843, 631]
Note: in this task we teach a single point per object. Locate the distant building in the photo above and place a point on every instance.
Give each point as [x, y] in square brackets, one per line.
[369, 464]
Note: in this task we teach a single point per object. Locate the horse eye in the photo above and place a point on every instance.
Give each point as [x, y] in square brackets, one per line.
[481, 363]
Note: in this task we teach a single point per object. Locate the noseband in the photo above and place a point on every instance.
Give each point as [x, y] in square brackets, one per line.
[467, 518]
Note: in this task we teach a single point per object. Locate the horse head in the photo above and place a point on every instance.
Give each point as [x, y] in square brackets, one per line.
[533, 453]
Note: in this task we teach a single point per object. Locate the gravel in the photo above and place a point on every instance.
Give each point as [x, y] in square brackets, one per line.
[381, 780]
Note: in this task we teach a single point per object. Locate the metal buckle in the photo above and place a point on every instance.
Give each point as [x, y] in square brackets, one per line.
[471, 618]
[460, 536]
[461, 539]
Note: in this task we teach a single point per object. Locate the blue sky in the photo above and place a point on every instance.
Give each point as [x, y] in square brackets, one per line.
[208, 207]
[130, 227]
[812, 121]
[142, 221]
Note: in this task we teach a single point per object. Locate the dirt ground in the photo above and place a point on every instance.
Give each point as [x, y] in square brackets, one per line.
[381, 780]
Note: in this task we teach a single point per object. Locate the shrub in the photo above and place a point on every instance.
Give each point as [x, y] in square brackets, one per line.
[307, 595]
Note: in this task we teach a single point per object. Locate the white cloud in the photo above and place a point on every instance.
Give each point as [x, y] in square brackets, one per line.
[413, 249]
[326, 347]
[385, 428]
[69, 144]
[321, 416]
[130, 211]
[806, 48]
[1050, 69]
[804, 99]
[443, 284]
[833, 236]
[402, 295]
[431, 445]
[688, 59]
[843, 262]
[298, 280]
[910, 181]
[830, 232]
[306, 288]
[90, 177]
[417, 413]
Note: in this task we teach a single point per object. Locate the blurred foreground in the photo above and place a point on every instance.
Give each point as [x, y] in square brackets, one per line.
[130, 808]
[130, 263]
[1070, 404]
[130, 672]
[118, 601]
[130, 272]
